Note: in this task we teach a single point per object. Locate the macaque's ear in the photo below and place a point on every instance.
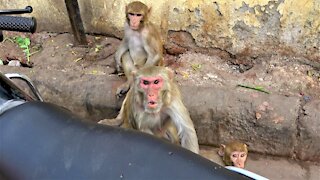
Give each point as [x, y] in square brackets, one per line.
[149, 10]
[134, 73]
[221, 150]
[245, 145]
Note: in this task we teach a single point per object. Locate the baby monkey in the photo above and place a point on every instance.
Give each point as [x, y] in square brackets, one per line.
[234, 154]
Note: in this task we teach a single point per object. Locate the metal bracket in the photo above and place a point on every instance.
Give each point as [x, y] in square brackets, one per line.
[28, 81]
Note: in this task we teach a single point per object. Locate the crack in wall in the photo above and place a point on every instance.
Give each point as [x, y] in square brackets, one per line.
[301, 114]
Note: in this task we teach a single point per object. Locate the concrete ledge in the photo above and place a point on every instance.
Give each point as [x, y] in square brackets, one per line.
[270, 124]
[266, 122]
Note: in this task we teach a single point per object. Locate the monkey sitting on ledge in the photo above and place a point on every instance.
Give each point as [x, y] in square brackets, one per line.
[153, 105]
[141, 45]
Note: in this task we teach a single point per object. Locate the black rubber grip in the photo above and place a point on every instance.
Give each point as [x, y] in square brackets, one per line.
[15, 23]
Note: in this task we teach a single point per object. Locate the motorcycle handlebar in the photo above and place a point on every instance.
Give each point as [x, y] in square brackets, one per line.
[27, 9]
[15, 23]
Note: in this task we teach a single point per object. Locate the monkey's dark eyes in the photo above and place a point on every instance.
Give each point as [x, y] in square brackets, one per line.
[133, 14]
[146, 82]
[156, 82]
[234, 155]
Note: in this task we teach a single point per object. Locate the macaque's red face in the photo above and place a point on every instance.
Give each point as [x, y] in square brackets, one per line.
[238, 158]
[152, 87]
[135, 20]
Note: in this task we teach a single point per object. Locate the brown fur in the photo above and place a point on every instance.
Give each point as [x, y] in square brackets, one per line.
[170, 117]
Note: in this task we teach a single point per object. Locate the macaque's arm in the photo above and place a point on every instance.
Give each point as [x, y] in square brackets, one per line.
[153, 46]
[123, 47]
[180, 116]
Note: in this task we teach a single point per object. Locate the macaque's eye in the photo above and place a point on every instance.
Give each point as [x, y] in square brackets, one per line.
[156, 81]
[145, 82]
[243, 155]
[234, 155]
[134, 14]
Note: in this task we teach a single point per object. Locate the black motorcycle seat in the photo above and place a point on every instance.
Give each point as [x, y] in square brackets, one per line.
[44, 141]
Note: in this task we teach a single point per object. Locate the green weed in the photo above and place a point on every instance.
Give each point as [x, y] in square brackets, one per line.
[24, 43]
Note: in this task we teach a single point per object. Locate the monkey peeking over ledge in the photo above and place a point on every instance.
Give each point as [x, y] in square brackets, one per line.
[234, 154]
[154, 105]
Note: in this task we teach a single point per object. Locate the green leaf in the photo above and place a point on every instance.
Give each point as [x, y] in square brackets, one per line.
[259, 87]
[19, 39]
[27, 41]
[23, 46]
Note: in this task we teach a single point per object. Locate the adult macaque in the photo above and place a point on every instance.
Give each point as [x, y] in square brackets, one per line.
[234, 154]
[141, 45]
[153, 105]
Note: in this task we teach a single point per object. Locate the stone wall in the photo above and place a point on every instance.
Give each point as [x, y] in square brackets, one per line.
[239, 27]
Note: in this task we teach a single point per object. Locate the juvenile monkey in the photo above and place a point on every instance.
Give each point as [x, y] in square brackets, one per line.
[153, 105]
[234, 154]
[141, 46]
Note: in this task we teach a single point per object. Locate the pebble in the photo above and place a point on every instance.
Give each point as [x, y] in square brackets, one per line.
[14, 63]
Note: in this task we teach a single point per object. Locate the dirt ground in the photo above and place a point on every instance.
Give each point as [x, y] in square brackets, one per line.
[285, 75]
[291, 76]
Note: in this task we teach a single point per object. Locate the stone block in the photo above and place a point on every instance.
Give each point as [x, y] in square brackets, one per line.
[309, 132]
[266, 122]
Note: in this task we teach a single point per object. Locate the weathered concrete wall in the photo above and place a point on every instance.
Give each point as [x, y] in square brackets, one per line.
[246, 27]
